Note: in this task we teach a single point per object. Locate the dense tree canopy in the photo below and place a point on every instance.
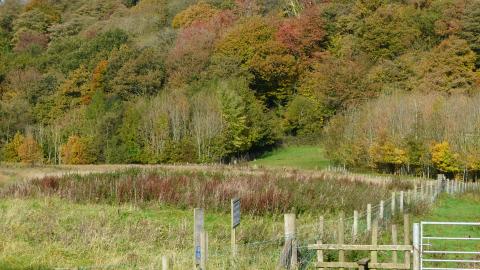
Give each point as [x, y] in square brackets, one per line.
[149, 81]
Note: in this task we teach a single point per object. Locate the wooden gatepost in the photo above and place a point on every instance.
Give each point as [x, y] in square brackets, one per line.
[374, 247]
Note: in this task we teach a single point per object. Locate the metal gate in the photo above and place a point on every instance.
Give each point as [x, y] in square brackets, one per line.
[449, 245]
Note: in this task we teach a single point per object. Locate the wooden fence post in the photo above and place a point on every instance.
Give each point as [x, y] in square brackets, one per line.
[235, 220]
[373, 254]
[432, 193]
[406, 236]
[355, 225]
[408, 199]
[320, 239]
[415, 194]
[393, 203]
[381, 210]
[341, 237]
[198, 227]
[166, 263]
[369, 217]
[204, 250]
[291, 234]
[394, 242]
[416, 246]
[401, 202]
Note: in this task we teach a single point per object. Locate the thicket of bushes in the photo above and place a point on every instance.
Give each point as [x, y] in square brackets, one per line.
[117, 81]
[415, 133]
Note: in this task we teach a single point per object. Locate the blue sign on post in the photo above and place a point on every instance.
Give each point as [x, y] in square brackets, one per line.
[197, 230]
[235, 213]
[198, 254]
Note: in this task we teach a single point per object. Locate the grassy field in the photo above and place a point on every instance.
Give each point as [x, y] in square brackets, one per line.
[464, 208]
[51, 232]
[299, 157]
[456, 208]
[129, 219]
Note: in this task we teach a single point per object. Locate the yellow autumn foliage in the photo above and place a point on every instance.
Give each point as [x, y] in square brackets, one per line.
[444, 159]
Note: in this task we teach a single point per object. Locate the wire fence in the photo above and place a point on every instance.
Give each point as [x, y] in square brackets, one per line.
[356, 228]
[267, 254]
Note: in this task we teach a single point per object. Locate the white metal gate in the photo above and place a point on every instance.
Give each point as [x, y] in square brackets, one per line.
[455, 251]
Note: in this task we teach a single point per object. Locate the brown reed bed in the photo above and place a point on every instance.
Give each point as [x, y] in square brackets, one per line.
[262, 193]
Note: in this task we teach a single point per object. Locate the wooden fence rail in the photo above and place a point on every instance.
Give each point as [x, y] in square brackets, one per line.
[373, 248]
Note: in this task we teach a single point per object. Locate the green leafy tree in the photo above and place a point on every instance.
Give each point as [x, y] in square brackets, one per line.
[126, 146]
[246, 124]
[417, 152]
[70, 53]
[143, 75]
[303, 118]
[388, 32]
[9, 11]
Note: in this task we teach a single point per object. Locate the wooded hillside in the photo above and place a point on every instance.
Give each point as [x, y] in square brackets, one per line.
[149, 81]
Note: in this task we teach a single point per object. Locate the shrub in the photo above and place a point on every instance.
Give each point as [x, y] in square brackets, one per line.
[27, 39]
[30, 151]
[10, 150]
[77, 151]
[303, 118]
[444, 159]
[198, 12]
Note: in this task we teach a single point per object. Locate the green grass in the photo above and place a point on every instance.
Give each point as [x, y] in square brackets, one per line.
[298, 157]
[50, 232]
[453, 208]
[464, 208]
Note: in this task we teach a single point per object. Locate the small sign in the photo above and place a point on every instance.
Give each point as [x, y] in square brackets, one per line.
[197, 230]
[235, 213]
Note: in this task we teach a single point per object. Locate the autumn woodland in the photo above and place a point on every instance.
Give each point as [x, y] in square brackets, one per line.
[384, 85]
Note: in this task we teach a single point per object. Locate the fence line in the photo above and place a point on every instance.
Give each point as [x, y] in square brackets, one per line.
[355, 228]
[357, 225]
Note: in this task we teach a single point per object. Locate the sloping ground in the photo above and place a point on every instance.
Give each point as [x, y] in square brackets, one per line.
[461, 208]
[298, 157]
[464, 208]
